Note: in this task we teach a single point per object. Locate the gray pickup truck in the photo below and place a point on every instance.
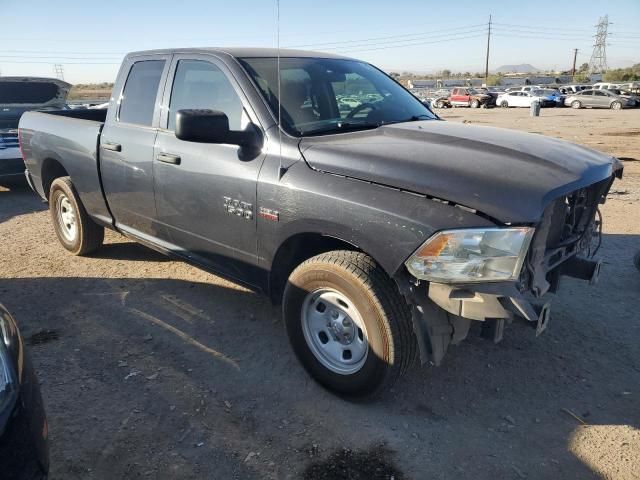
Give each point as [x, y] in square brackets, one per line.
[384, 232]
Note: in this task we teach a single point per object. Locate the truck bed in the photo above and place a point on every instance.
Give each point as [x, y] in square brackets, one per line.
[75, 134]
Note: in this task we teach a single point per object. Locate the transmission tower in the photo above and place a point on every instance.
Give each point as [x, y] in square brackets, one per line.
[59, 71]
[598, 62]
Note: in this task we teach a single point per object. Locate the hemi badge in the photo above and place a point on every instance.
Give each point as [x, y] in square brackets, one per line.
[269, 214]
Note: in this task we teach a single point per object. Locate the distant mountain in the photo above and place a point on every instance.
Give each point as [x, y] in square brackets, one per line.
[522, 68]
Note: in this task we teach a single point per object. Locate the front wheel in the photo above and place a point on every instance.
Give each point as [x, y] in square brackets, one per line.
[348, 324]
[576, 104]
[616, 105]
[504, 104]
[76, 231]
[475, 103]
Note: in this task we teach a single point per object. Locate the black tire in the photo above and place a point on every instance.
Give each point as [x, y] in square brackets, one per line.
[504, 104]
[615, 105]
[576, 104]
[474, 103]
[387, 318]
[88, 235]
[439, 104]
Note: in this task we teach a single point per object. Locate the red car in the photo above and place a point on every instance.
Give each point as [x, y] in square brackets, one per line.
[469, 97]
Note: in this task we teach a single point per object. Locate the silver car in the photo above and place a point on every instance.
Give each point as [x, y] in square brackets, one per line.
[596, 99]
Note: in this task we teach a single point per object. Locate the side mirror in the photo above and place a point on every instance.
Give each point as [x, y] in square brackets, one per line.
[211, 126]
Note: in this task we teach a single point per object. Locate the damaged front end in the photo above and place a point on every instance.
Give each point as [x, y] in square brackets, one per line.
[563, 243]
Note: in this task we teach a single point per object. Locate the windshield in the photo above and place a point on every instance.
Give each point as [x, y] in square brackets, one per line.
[321, 95]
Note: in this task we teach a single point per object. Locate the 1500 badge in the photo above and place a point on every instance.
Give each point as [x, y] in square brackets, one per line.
[238, 208]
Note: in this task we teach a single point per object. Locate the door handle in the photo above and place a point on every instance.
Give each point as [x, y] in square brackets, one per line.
[114, 147]
[169, 158]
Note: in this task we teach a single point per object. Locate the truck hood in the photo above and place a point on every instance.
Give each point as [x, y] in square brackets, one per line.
[507, 175]
[21, 94]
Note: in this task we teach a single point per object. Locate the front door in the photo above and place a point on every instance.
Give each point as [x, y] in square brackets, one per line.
[126, 145]
[206, 193]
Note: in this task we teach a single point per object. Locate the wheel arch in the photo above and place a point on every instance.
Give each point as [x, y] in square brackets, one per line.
[299, 247]
[51, 169]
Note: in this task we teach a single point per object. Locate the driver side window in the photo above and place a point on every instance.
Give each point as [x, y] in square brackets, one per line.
[200, 84]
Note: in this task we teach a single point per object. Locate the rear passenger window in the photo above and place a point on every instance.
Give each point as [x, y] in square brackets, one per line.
[139, 95]
[200, 84]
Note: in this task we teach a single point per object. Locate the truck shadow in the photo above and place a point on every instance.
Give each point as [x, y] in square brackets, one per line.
[217, 355]
[16, 198]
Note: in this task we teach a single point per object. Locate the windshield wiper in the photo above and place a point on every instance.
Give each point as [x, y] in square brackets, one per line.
[413, 118]
[344, 127]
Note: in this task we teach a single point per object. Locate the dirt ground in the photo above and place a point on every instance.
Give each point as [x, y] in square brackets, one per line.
[151, 368]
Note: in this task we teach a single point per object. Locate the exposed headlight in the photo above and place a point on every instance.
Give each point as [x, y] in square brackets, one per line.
[471, 255]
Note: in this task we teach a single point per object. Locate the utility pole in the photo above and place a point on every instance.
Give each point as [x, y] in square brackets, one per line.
[573, 69]
[486, 66]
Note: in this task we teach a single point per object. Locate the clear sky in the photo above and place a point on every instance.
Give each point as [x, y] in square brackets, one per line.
[90, 38]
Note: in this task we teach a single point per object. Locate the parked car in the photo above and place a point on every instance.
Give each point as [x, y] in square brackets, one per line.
[24, 444]
[604, 86]
[551, 97]
[569, 89]
[522, 99]
[632, 99]
[597, 99]
[18, 95]
[384, 232]
[520, 88]
[470, 97]
[440, 98]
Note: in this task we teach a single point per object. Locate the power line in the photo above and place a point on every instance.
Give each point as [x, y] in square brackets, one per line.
[406, 41]
[413, 44]
[361, 40]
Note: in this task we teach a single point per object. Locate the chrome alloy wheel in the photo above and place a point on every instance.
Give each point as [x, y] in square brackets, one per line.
[67, 218]
[334, 331]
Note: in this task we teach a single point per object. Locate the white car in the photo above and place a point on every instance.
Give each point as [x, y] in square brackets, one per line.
[516, 99]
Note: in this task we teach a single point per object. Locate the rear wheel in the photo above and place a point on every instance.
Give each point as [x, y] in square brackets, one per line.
[475, 103]
[616, 105]
[76, 231]
[576, 104]
[348, 324]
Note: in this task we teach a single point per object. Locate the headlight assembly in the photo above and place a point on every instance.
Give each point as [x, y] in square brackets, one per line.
[471, 255]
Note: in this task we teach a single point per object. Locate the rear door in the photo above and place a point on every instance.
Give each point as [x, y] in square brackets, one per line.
[206, 193]
[601, 99]
[127, 142]
[586, 98]
[456, 97]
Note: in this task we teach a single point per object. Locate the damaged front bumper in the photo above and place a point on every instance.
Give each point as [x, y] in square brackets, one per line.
[442, 313]
[563, 245]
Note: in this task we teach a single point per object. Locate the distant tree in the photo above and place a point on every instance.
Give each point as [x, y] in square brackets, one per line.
[394, 74]
[582, 78]
[622, 75]
[584, 67]
[493, 80]
[446, 73]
